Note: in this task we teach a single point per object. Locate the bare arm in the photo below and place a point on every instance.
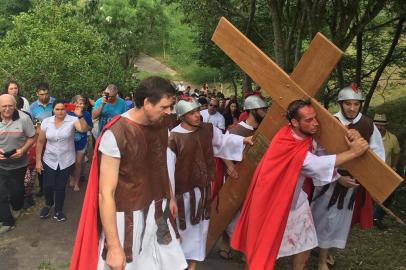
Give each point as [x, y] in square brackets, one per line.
[80, 125]
[96, 113]
[395, 161]
[109, 168]
[38, 150]
[230, 168]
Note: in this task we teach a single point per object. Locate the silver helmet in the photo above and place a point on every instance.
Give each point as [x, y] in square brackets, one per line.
[254, 102]
[185, 106]
[351, 92]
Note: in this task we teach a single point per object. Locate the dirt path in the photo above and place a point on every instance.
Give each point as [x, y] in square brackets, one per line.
[149, 64]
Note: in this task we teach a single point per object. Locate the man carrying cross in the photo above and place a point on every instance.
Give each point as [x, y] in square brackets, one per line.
[335, 207]
[276, 219]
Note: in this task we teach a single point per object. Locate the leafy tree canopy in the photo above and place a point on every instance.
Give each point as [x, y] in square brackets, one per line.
[51, 43]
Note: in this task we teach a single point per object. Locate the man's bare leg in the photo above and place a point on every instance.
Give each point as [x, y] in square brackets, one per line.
[323, 255]
[300, 260]
[192, 265]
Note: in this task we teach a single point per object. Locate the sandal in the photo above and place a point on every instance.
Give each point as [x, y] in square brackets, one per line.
[225, 254]
[330, 260]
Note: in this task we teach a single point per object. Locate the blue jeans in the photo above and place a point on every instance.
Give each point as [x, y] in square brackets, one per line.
[54, 184]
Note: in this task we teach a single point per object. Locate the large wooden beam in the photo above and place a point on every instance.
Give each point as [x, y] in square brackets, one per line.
[368, 169]
[320, 54]
[304, 82]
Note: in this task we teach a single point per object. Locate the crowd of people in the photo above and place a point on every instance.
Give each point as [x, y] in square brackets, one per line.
[152, 189]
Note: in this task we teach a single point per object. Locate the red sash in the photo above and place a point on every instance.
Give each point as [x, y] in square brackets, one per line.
[259, 231]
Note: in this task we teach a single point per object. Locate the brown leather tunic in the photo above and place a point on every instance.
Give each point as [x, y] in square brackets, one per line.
[241, 130]
[143, 175]
[143, 178]
[194, 168]
[365, 127]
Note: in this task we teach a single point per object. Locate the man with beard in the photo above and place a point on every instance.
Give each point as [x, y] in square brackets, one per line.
[42, 107]
[256, 108]
[275, 218]
[337, 206]
[191, 149]
[134, 196]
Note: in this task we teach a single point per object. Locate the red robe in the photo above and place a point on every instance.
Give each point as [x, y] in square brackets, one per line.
[85, 250]
[259, 230]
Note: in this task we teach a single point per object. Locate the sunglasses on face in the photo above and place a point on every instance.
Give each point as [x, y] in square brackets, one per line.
[212, 105]
[107, 95]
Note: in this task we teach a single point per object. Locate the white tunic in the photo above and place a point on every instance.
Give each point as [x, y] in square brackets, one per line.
[152, 256]
[333, 225]
[300, 234]
[193, 238]
[216, 119]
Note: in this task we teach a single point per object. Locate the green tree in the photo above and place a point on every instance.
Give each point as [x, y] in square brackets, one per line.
[283, 29]
[51, 43]
[131, 26]
[9, 8]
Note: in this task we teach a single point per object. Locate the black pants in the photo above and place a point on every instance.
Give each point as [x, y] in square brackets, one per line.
[40, 182]
[11, 192]
[54, 182]
[379, 213]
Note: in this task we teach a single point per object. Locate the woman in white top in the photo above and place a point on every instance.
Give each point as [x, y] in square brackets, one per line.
[12, 88]
[57, 134]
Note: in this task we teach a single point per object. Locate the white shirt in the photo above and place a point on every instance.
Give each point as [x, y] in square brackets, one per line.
[108, 144]
[60, 145]
[216, 119]
[26, 105]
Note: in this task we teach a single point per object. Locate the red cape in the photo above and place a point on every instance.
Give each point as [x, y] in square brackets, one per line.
[85, 250]
[259, 230]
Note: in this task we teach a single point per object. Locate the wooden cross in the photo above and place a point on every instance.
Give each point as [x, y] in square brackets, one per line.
[308, 76]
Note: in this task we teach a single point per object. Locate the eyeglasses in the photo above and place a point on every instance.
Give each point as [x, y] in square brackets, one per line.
[212, 105]
[109, 95]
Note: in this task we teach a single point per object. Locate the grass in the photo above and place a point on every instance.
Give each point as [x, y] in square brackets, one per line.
[375, 249]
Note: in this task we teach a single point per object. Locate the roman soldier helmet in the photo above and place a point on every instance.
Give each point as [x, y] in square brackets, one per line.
[351, 92]
[254, 102]
[186, 105]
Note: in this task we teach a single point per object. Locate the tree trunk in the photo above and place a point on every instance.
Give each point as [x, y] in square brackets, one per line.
[340, 75]
[279, 40]
[247, 81]
[383, 65]
[358, 68]
[235, 87]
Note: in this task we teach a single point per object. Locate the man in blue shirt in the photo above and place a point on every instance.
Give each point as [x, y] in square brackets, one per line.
[42, 107]
[108, 106]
